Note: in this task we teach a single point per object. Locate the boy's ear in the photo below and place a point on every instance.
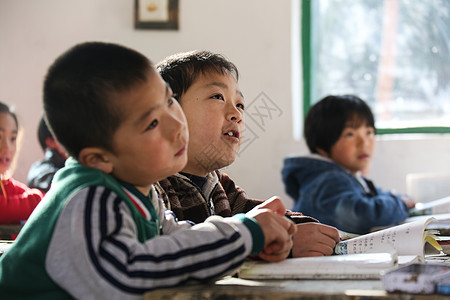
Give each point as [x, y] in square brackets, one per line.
[50, 142]
[96, 158]
[323, 152]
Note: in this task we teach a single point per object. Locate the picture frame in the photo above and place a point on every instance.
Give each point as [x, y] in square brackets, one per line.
[156, 14]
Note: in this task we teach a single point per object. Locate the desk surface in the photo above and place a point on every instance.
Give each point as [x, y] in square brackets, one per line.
[235, 288]
[9, 231]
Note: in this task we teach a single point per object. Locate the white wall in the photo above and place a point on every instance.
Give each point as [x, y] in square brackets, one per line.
[254, 34]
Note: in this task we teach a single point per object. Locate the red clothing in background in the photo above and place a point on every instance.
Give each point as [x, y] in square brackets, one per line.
[19, 203]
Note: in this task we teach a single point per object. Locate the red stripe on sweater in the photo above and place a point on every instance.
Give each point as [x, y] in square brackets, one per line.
[141, 211]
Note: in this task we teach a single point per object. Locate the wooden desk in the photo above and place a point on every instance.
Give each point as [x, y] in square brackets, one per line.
[235, 288]
[9, 231]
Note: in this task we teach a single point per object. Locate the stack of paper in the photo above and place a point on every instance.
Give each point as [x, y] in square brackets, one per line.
[417, 278]
[362, 266]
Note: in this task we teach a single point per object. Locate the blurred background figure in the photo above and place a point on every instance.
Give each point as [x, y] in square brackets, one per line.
[41, 173]
[17, 201]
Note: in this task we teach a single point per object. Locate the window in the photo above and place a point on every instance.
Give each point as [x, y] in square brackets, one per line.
[394, 54]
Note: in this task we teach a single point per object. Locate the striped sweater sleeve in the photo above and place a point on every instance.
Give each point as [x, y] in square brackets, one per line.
[94, 251]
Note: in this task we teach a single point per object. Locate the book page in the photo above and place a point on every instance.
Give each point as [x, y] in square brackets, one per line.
[405, 239]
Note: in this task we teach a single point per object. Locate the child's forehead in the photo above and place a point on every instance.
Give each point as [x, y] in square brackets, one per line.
[143, 96]
[7, 121]
[356, 120]
[213, 73]
[209, 79]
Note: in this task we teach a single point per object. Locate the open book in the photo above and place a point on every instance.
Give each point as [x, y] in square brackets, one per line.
[366, 256]
[404, 239]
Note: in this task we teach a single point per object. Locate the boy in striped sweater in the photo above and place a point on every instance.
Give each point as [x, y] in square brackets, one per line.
[102, 232]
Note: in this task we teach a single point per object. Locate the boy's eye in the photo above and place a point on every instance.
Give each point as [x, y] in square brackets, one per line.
[241, 106]
[152, 125]
[217, 96]
[348, 133]
[170, 101]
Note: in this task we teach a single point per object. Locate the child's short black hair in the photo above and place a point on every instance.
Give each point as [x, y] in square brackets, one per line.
[181, 70]
[327, 119]
[82, 91]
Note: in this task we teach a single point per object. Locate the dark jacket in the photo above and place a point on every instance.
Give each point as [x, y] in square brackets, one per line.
[41, 173]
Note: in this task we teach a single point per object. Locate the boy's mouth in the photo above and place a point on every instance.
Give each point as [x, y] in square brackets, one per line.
[182, 150]
[363, 156]
[232, 133]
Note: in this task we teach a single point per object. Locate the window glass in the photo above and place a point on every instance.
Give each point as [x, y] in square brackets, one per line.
[395, 54]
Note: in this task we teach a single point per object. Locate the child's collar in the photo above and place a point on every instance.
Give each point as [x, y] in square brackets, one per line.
[198, 180]
[71, 161]
[134, 190]
[320, 157]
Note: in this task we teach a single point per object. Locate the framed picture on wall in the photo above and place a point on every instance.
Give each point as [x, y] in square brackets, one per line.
[156, 14]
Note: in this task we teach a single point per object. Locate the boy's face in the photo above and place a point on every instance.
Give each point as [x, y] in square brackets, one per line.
[151, 143]
[354, 148]
[214, 109]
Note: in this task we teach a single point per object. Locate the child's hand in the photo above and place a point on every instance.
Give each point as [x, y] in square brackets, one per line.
[277, 229]
[410, 202]
[314, 239]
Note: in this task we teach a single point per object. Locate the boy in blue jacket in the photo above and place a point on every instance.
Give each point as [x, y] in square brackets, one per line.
[102, 232]
[328, 184]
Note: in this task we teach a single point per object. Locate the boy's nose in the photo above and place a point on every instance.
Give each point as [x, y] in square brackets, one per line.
[235, 115]
[363, 140]
[176, 126]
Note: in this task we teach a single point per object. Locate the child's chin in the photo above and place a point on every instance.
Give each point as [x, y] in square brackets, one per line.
[182, 165]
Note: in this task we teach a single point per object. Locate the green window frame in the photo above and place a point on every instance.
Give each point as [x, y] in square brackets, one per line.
[307, 59]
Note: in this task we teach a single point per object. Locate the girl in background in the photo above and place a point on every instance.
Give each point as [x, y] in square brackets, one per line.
[17, 201]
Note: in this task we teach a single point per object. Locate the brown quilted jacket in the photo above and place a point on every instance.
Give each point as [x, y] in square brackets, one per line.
[219, 196]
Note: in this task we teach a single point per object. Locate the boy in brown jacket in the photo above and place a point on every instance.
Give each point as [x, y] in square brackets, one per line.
[206, 85]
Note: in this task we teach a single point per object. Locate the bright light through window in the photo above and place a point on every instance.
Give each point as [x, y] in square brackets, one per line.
[395, 54]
